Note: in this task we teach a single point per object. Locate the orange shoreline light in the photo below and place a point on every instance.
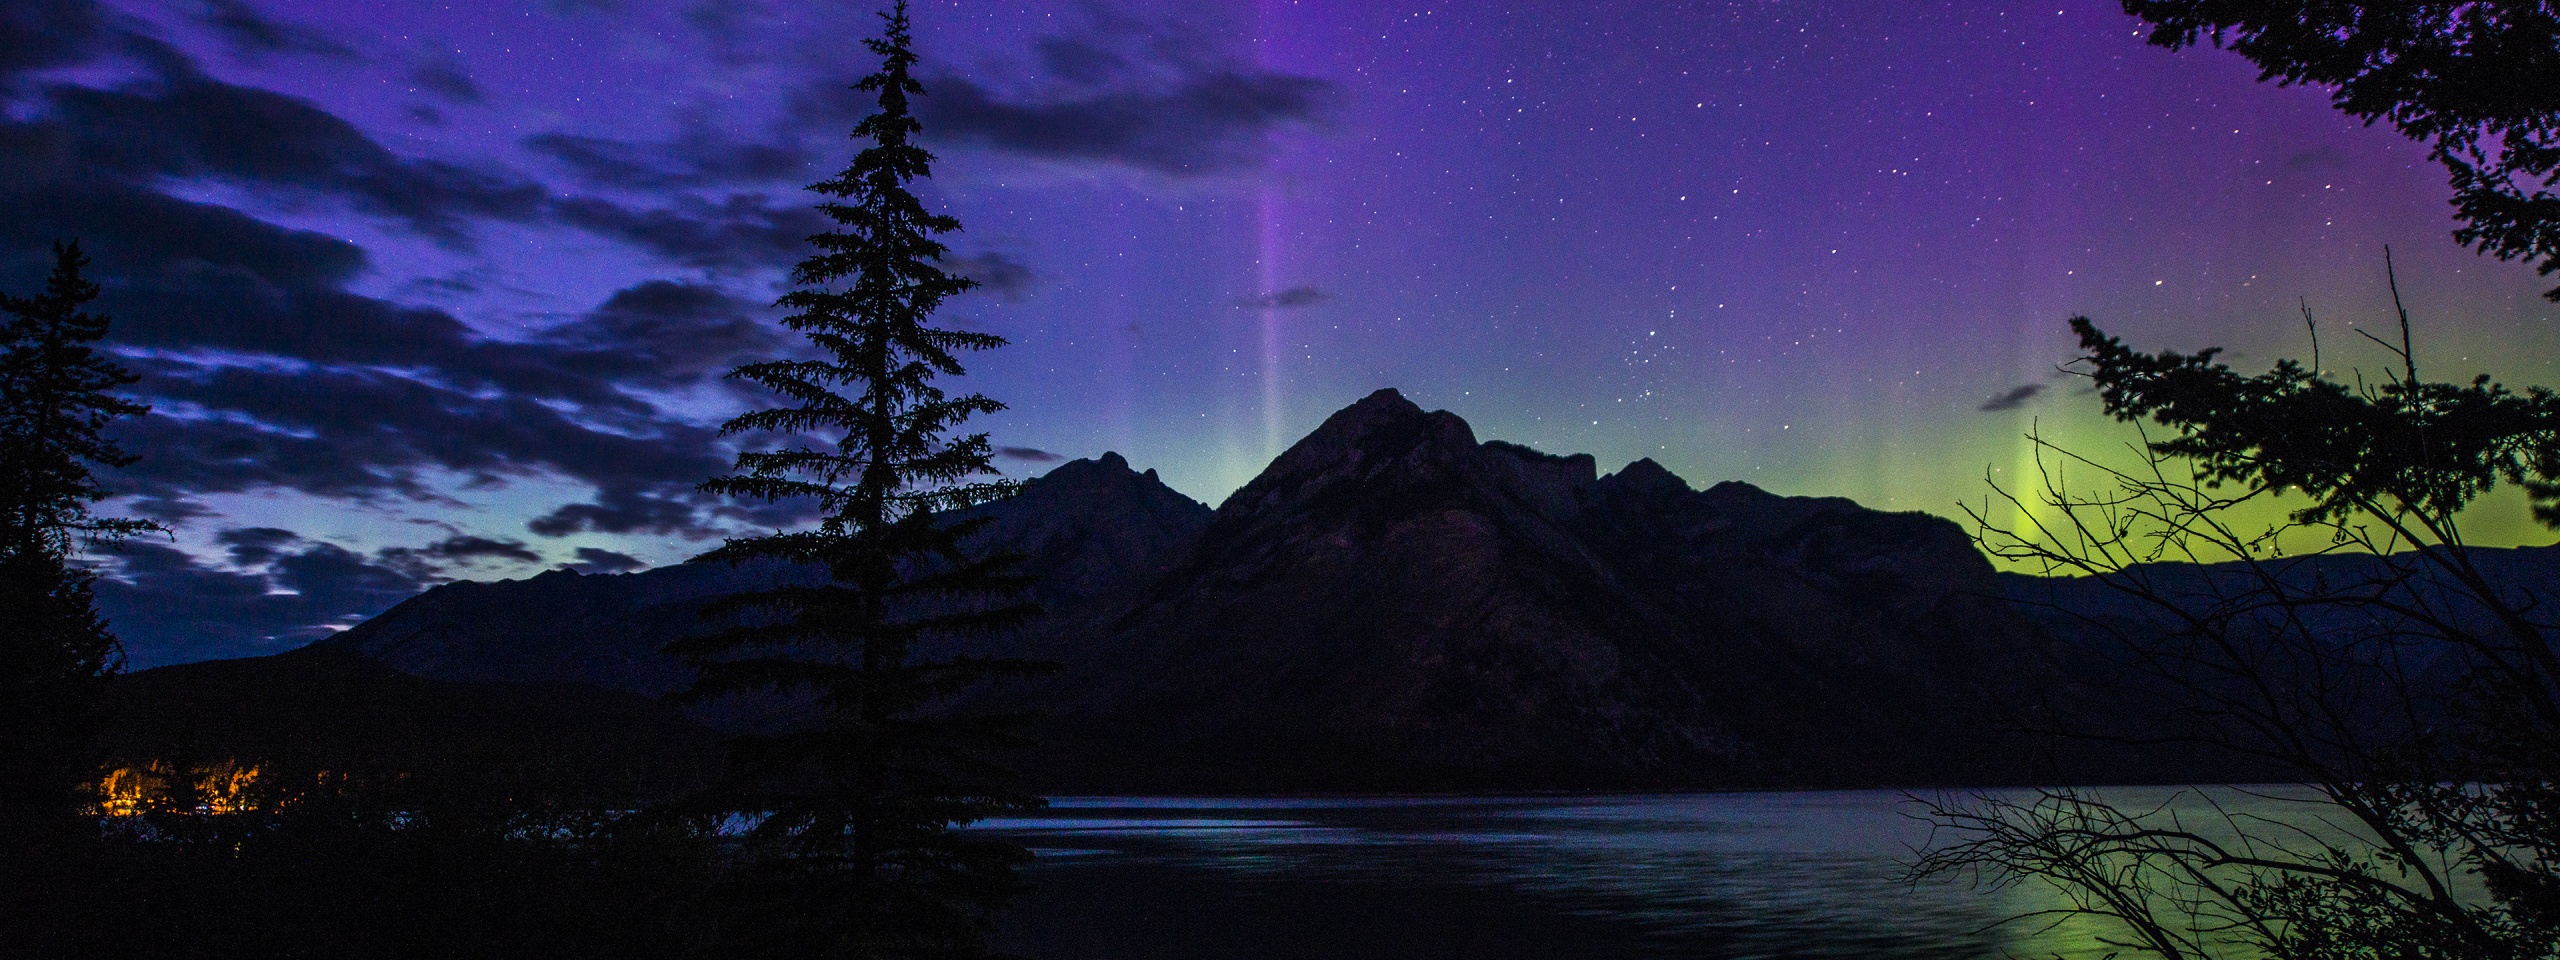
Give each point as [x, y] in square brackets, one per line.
[218, 788]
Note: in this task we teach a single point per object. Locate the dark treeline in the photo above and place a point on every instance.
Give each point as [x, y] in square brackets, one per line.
[835, 838]
[483, 857]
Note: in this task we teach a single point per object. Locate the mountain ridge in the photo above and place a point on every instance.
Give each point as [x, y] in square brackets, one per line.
[1395, 604]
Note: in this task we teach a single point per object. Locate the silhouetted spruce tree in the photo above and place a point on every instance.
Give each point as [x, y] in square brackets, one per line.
[55, 652]
[856, 853]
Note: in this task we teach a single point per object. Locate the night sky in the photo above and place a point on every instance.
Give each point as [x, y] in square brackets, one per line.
[434, 291]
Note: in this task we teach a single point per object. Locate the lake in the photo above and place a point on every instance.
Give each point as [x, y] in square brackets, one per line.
[1687, 875]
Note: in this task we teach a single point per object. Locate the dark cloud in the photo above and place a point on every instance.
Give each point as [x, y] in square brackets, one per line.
[592, 561]
[1150, 96]
[668, 300]
[700, 156]
[435, 562]
[2324, 158]
[624, 510]
[336, 394]
[2012, 398]
[445, 77]
[192, 277]
[707, 158]
[744, 230]
[37, 34]
[276, 590]
[996, 273]
[256, 546]
[467, 548]
[89, 165]
[269, 373]
[335, 578]
[732, 26]
[453, 284]
[251, 33]
[188, 126]
[612, 162]
[1205, 123]
[137, 231]
[720, 17]
[169, 510]
[1029, 454]
[169, 608]
[665, 332]
[1080, 61]
[1289, 299]
[368, 434]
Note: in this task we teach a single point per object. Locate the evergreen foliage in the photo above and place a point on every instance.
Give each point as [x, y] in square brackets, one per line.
[2479, 82]
[2414, 693]
[55, 405]
[854, 852]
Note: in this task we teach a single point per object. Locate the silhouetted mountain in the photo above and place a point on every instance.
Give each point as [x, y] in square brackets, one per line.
[329, 708]
[1395, 605]
[2382, 672]
[1093, 531]
[1392, 604]
[559, 627]
[2088, 608]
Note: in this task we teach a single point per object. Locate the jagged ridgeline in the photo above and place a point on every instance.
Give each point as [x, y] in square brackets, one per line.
[1394, 605]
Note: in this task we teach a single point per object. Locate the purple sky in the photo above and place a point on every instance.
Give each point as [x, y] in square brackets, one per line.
[444, 289]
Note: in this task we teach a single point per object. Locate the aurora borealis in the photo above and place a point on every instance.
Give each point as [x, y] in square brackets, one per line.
[427, 291]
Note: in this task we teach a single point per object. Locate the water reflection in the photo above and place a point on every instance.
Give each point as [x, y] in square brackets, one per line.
[1693, 875]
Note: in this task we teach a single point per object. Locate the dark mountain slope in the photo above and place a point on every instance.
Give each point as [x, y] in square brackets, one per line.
[2384, 676]
[1093, 534]
[1393, 604]
[1091, 531]
[1870, 646]
[558, 627]
[2081, 606]
[1390, 600]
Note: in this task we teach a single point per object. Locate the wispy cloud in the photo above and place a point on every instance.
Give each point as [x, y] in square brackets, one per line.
[1289, 299]
[1029, 454]
[2012, 398]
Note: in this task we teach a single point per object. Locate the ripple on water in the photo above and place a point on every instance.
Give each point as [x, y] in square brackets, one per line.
[1687, 875]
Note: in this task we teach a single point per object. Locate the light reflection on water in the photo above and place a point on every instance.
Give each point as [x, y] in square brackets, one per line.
[1687, 875]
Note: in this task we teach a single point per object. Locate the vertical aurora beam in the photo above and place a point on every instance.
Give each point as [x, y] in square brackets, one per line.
[1267, 212]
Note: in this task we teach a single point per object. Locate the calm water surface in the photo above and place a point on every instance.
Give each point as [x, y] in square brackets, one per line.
[1689, 875]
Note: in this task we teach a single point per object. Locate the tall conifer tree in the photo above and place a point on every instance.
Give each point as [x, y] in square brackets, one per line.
[55, 406]
[858, 855]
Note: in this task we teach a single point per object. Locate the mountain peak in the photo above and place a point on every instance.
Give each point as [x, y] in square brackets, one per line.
[1358, 440]
[1384, 412]
[1109, 469]
[1105, 483]
[1110, 466]
[1384, 398]
[1647, 479]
